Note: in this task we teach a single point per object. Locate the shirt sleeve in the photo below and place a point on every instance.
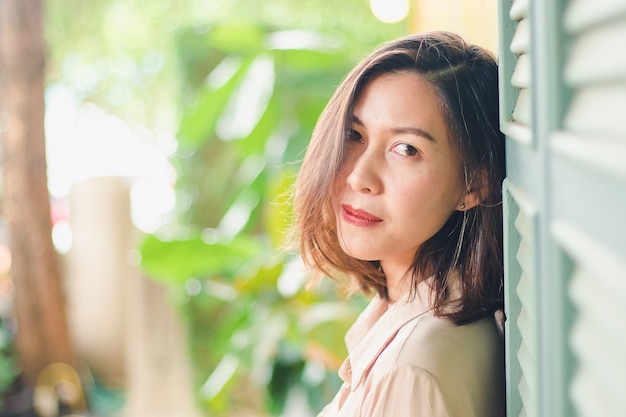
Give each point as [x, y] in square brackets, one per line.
[406, 391]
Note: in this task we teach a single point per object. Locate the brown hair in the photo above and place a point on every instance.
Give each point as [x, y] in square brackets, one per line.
[469, 244]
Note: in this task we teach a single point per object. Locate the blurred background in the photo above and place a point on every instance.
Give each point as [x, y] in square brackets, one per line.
[144, 262]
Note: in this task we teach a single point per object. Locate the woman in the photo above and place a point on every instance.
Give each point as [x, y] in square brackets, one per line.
[400, 190]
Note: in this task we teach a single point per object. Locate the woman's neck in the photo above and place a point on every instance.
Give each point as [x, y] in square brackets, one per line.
[398, 279]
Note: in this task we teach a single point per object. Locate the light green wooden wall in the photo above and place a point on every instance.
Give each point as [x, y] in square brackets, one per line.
[563, 110]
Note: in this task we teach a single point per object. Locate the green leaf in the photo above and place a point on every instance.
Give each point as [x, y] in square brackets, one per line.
[286, 372]
[256, 141]
[218, 381]
[8, 373]
[237, 38]
[249, 101]
[198, 123]
[264, 279]
[175, 261]
[308, 60]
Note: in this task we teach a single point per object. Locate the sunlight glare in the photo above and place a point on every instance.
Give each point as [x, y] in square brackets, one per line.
[390, 11]
[62, 236]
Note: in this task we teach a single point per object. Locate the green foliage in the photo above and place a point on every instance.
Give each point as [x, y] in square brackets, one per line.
[226, 267]
[176, 261]
[241, 83]
[200, 121]
[8, 361]
[252, 97]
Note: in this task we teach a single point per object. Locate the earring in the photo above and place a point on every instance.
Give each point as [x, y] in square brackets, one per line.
[462, 206]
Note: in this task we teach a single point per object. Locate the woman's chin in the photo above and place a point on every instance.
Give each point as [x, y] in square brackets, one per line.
[359, 253]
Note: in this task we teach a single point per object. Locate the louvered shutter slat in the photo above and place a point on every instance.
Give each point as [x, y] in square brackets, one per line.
[582, 14]
[598, 109]
[596, 288]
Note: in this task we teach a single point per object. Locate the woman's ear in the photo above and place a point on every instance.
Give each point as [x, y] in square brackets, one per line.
[476, 192]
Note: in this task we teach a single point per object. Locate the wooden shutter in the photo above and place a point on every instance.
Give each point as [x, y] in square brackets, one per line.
[519, 210]
[520, 334]
[589, 175]
[516, 107]
[597, 286]
[563, 111]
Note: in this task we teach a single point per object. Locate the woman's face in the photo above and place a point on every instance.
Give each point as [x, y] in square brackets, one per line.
[401, 179]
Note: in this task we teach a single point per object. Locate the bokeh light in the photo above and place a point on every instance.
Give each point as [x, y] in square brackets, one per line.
[390, 11]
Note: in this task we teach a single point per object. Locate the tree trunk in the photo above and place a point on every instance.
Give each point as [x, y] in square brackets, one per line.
[42, 335]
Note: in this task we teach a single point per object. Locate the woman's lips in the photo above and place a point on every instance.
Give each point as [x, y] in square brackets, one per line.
[359, 217]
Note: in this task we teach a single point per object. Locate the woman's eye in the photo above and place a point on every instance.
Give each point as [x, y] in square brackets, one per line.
[353, 135]
[405, 149]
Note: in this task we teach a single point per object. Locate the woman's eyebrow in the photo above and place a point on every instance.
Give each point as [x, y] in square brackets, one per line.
[356, 120]
[401, 130]
[415, 131]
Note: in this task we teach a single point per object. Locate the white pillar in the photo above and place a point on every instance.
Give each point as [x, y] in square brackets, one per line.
[123, 324]
[97, 274]
[159, 371]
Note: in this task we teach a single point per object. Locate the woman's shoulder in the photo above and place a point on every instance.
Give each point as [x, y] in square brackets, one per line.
[467, 362]
[433, 342]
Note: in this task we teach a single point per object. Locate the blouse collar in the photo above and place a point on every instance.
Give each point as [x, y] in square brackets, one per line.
[375, 328]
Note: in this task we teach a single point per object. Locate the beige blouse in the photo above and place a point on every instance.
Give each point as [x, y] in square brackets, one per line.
[405, 362]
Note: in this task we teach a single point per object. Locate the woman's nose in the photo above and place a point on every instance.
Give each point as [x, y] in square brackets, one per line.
[364, 174]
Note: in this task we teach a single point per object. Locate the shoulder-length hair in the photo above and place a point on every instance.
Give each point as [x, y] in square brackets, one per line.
[469, 245]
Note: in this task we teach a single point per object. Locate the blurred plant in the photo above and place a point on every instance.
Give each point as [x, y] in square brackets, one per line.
[250, 90]
[9, 370]
[120, 54]
[251, 343]
[255, 333]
